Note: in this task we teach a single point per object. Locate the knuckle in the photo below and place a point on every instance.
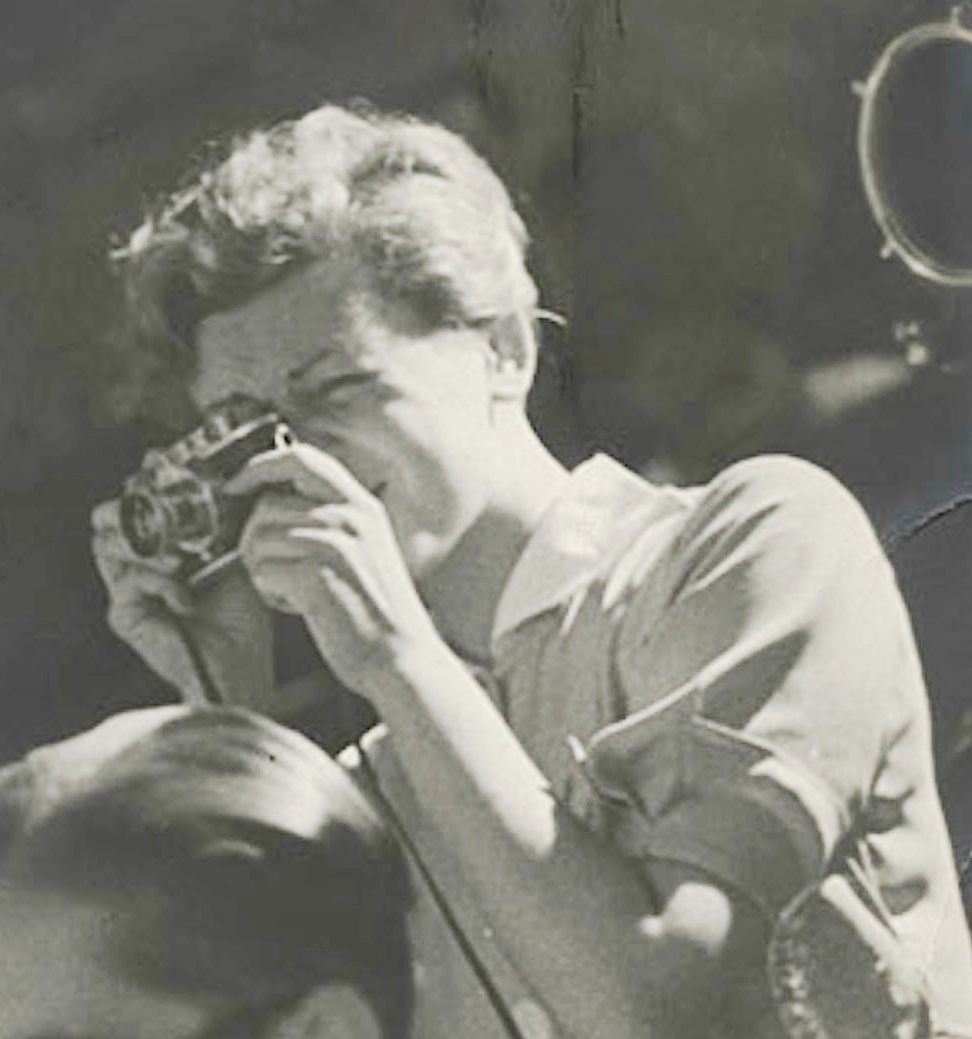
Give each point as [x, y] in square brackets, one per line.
[320, 514]
[266, 588]
[304, 453]
[258, 514]
[103, 547]
[105, 514]
[374, 507]
[118, 620]
[246, 546]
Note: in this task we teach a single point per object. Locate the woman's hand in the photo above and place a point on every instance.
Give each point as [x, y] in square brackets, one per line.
[153, 611]
[323, 547]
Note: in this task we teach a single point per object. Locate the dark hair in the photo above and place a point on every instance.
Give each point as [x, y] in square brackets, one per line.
[428, 221]
[268, 872]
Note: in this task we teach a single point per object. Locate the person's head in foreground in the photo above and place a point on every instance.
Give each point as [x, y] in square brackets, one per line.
[365, 274]
[177, 874]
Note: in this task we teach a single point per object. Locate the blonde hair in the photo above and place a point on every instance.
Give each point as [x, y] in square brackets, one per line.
[430, 223]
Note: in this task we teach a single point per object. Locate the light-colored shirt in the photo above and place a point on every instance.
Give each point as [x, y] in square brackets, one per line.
[721, 676]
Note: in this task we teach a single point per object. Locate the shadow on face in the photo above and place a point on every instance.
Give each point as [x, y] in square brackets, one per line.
[61, 977]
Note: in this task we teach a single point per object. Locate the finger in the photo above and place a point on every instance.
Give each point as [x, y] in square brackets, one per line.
[111, 549]
[286, 582]
[279, 585]
[303, 547]
[307, 469]
[303, 556]
[111, 544]
[270, 525]
[295, 569]
[153, 635]
[341, 557]
[112, 556]
[105, 516]
[281, 466]
[139, 582]
[279, 510]
[110, 567]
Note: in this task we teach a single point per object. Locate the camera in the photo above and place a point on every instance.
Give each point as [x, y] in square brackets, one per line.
[175, 503]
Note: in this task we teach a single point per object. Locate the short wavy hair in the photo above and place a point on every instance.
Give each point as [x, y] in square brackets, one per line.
[430, 223]
[273, 875]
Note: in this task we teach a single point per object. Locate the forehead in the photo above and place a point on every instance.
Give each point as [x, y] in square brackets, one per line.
[252, 348]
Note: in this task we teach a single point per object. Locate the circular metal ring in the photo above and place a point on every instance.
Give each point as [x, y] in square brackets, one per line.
[876, 98]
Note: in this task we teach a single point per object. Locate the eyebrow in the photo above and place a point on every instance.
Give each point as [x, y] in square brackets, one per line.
[302, 369]
[303, 386]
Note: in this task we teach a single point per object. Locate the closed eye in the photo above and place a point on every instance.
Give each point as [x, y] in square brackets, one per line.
[332, 389]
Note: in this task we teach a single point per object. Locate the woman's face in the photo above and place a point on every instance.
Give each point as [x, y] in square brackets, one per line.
[409, 414]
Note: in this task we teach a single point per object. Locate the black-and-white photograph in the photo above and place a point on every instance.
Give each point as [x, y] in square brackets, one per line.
[486, 519]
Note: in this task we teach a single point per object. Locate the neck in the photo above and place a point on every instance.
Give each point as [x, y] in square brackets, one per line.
[464, 591]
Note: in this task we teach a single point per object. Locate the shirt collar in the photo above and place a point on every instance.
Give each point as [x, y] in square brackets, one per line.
[601, 509]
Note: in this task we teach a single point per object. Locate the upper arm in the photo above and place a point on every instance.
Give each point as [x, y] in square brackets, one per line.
[786, 629]
[763, 694]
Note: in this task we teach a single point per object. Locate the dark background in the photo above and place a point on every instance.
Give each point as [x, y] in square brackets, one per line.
[687, 168]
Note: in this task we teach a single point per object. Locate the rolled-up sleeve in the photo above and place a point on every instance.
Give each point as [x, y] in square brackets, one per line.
[762, 696]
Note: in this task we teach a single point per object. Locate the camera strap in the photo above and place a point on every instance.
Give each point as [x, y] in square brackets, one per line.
[211, 692]
[473, 958]
[213, 695]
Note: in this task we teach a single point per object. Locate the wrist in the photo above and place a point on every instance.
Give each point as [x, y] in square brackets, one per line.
[416, 663]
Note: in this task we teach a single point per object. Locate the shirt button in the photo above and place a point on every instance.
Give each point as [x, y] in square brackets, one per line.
[532, 1020]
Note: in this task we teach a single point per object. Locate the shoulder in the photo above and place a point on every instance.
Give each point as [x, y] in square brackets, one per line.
[771, 497]
[785, 482]
[769, 524]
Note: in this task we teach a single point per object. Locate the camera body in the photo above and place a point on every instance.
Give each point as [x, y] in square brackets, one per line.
[175, 503]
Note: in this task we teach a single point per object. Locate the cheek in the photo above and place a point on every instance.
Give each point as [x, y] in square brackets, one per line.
[57, 978]
[430, 459]
[444, 432]
[427, 509]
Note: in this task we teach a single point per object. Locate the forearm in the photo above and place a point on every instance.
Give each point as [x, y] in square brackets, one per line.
[564, 905]
[576, 919]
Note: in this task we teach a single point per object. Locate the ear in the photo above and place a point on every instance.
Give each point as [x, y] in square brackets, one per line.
[513, 356]
[330, 1012]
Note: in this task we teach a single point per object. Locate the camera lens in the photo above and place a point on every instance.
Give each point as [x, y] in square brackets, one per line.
[143, 522]
[183, 518]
